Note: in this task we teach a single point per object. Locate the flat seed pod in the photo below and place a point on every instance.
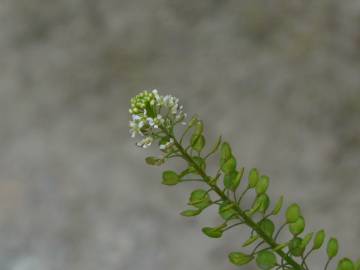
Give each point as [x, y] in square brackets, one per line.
[239, 258]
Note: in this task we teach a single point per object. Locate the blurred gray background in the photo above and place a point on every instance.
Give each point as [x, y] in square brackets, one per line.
[278, 79]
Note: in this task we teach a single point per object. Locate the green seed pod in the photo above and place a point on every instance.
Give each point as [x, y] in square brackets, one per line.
[278, 205]
[264, 202]
[319, 239]
[357, 265]
[154, 161]
[251, 240]
[212, 232]
[227, 212]
[200, 199]
[345, 264]
[239, 258]
[170, 178]
[199, 128]
[295, 247]
[298, 226]
[229, 165]
[225, 152]
[332, 248]
[293, 213]
[232, 180]
[266, 260]
[200, 162]
[262, 185]
[306, 240]
[267, 226]
[253, 177]
[197, 142]
[190, 212]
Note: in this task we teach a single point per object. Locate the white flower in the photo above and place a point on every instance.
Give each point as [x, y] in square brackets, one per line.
[167, 145]
[150, 112]
[146, 142]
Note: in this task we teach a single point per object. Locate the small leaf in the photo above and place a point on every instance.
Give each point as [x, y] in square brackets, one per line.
[298, 226]
[232, 180]
[332, 248]
[170, 178]
[267, 226]
[239, 258]
[212, 232]
[345, 264]
[295, 247]
[227, 212]
[229, 165]
[319, 239]
[251, 240]
[262, 185]
[190, 212]
[306, 240]
[278, 205]
[154, 161]
[293, 213]
[200, 199]
[266, 260]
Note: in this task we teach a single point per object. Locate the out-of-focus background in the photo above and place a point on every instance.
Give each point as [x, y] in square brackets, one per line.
[278, 79]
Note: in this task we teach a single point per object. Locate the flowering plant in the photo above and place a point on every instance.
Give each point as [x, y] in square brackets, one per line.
[155, 117]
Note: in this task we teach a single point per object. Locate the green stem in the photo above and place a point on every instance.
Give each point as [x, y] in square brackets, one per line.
[247, 220]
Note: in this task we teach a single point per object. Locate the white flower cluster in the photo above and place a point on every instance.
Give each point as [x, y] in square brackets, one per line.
[150, 112]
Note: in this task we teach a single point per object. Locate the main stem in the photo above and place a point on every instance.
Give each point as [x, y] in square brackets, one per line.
[247, 220]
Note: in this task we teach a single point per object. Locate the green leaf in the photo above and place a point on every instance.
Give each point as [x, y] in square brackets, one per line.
[239, 258]
[306, 240]
[154, 161]
[251, 240]
[266, 260]
[199, 198]
[197, 142]
[232, 180]
[332, 248]
[267, 226]
[262, 185]
[227, 212]
[253, 177]
[293, 213]
[170, 178]
[278, 205]
[345, 264]
[212, 232]
[319, 239]
[295, 247]
[190, 212]
[298, 226]
[229, 165]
